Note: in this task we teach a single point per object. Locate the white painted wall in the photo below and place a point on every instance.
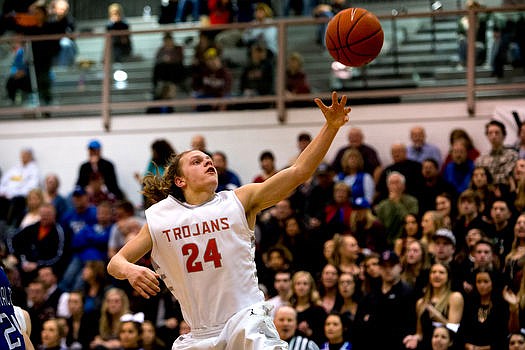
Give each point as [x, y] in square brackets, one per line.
[60, 144]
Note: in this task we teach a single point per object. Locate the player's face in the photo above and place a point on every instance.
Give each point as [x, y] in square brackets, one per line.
[197, 169]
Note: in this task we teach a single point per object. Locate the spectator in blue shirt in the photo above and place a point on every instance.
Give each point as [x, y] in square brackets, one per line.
[420, 149]
[89, 244]
[459, 172]
[18, 73]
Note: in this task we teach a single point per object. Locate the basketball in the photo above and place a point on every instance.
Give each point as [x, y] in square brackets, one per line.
[354, 37]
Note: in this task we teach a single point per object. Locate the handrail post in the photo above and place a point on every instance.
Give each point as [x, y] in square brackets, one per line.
[281, 72]
[106, 83]
[395, 47]
[471, 62]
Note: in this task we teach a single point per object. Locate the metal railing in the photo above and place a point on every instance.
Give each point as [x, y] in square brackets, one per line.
[280, 99]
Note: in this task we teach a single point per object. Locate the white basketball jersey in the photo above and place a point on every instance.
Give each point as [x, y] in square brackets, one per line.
[205, 256]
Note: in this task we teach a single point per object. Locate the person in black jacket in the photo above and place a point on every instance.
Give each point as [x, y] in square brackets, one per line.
[97, 164]
[387, 314]
[38, 245]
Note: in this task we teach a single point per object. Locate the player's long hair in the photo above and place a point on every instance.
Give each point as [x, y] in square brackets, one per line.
[156, 187]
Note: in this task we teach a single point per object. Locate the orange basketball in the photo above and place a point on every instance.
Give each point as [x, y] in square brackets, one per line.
[354, 37]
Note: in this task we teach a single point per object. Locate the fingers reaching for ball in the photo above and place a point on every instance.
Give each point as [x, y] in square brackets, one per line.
[337, 113]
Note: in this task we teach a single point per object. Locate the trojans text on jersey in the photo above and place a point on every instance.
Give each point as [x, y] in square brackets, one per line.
[199, 228]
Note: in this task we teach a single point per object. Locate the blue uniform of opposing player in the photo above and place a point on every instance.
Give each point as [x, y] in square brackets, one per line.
[11, 337]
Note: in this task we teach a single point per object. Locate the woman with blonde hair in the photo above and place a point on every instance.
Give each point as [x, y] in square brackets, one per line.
[439, 305]
[307, 302]
[515, 260]
[34, 199]
[416, 266]
[114, 305]
[431, 221]
[121, 44]
[361, 183]
[346, 254]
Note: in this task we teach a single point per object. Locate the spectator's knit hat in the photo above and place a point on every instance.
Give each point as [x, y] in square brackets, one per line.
[79, 191]
[94, 144]
[360, 203]
[389, 258]
[445, 233]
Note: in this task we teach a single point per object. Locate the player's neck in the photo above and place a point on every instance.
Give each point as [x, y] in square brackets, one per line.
[197, 198]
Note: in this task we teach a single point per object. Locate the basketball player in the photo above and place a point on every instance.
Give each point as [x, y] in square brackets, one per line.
[202, 244]
[11, 335]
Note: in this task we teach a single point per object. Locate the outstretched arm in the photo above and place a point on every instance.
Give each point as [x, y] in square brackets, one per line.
[122, 265]
[256, 197]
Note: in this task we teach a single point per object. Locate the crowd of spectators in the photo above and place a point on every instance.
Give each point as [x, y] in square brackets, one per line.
[350, 255]
[426, 252]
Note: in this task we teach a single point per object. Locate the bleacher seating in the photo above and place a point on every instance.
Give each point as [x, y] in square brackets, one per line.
[421, 59]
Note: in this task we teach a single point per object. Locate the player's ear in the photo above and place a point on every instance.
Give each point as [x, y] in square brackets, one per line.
[180, 181]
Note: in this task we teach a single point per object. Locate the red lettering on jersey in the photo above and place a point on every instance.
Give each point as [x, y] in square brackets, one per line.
[197, 231]
[205, 228]
[177, 233]
[225, 224]
[186, 231]
[214, 225]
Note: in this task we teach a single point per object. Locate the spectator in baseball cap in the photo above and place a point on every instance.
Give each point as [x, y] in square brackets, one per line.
[444, 245]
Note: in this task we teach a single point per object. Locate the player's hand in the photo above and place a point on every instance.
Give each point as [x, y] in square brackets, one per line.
[337, 114]
[143, 280]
